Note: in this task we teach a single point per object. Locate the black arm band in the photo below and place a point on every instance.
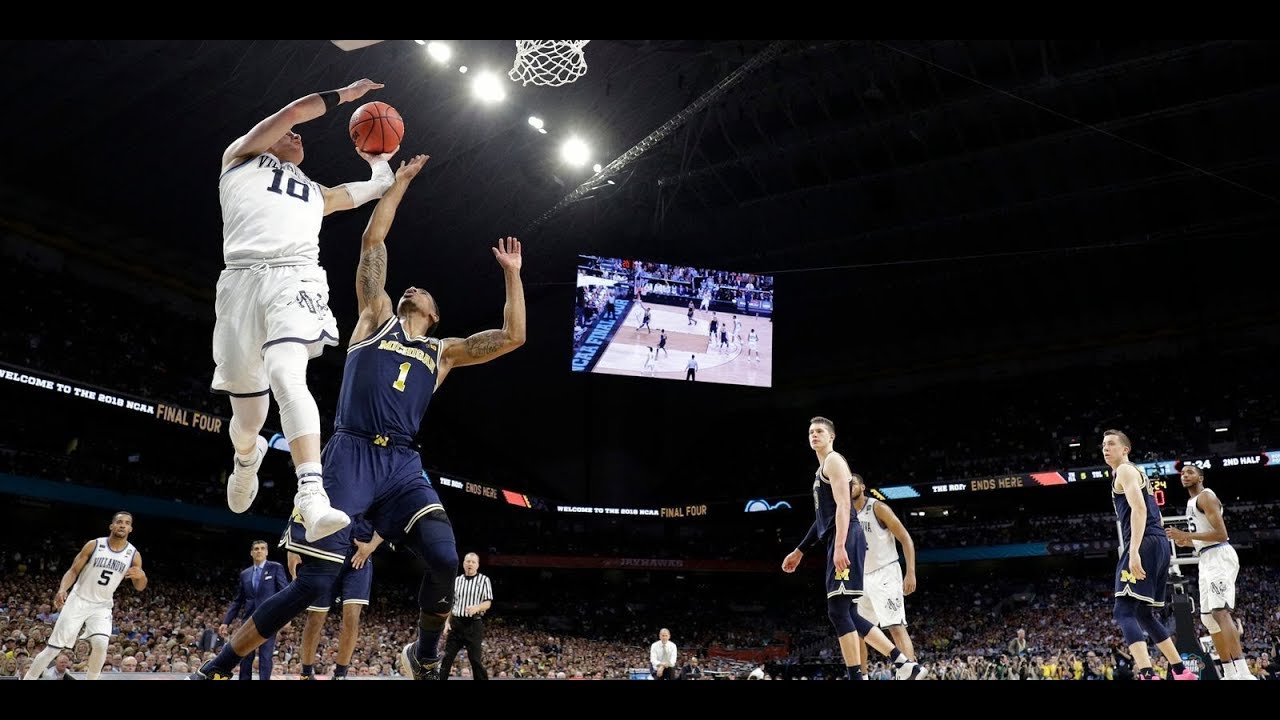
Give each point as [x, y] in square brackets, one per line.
[331, 99]
[810, 538]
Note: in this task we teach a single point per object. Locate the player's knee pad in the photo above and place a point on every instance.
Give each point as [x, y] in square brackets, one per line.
[1210, 624]
[286, 365]
[315, 579]
[1125, 614]
[431, 539]
[840, 610]
[431, 621]
[861, 624]
[1150, 623]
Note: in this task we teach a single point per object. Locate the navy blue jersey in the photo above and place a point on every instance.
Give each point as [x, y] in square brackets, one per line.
[1124, 513]
[824, 504]
[387, 383]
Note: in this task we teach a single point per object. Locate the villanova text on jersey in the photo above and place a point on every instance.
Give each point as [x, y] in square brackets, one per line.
[110, 563]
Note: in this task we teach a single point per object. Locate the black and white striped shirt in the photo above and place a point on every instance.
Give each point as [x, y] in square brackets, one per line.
[468, 591]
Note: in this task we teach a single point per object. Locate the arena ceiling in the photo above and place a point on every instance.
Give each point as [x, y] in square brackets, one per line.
[925, 203]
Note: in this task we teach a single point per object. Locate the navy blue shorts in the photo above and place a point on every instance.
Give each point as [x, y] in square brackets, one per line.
[352, 587]
[1154, 553]
[385, 485]
[848, 581]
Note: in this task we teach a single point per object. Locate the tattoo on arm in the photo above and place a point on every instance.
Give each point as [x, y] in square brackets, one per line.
[484, 344]
[372, 273]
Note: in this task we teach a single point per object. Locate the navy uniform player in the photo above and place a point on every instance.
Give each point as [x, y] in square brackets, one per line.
[272, 312]
[1142, 572]
[1219, 566]
[86, 595]
[351, 591]
[836, 526]
[392, 371]
[645, 322]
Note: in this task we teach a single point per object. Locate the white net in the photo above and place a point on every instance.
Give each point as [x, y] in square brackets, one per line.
[549, 62]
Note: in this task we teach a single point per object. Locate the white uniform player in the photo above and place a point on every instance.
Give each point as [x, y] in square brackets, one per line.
[882, 600]
[753, 345]
[273, 289]
[1219, 566]
[93, 578]
[1219, 563]
[884, 587]
[272, 302]
[90, 601]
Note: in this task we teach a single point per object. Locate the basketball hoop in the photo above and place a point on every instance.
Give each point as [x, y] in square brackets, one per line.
[548, 62]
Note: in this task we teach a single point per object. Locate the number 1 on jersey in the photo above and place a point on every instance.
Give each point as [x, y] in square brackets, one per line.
[404, 373]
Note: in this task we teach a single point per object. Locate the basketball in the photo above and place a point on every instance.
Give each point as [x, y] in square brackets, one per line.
[376, 128]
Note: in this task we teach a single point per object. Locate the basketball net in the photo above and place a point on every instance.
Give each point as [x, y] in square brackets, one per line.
[548, 62]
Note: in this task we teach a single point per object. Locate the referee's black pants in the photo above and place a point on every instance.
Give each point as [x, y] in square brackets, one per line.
[464, 633]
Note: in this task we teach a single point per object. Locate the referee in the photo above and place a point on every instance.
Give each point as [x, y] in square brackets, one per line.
[472, 596]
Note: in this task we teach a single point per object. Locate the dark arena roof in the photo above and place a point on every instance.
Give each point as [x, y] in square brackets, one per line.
[973, 256]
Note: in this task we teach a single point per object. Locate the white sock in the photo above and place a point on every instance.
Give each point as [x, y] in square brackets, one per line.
[1242, 668]
[1229, 671]
[308, 473]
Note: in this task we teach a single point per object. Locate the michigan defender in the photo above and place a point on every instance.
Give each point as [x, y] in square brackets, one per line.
[350, 591]
[391, 374]
[1142, 572]
[835, 525]
[87, 594]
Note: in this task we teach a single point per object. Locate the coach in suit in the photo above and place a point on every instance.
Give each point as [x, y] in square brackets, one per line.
[258, 582]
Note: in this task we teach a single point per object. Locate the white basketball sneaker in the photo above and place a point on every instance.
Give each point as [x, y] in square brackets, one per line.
[910, 671]
[242, 484]
[318, 517]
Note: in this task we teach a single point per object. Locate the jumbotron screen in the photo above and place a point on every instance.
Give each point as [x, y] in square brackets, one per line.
[656, 320]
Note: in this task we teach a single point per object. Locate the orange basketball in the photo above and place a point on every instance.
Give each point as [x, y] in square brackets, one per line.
[376, 128]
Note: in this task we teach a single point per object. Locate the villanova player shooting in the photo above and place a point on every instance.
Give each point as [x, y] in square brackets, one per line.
[393, 368]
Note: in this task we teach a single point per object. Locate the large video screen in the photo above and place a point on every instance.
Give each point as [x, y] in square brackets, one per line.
[692, 324]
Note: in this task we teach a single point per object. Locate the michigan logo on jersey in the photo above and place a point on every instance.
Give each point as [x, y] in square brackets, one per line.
[1127, 577]
[842, 574]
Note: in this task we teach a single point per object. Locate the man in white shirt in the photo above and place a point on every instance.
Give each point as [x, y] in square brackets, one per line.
[662, 656]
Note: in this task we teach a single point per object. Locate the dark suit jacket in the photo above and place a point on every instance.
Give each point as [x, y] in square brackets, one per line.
[247, 600]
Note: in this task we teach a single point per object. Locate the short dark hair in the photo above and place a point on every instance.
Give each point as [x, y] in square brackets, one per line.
[1195, 469]
[122, 512]
[1124, 439]
[819, 420]
[256, 543]
[858, 478]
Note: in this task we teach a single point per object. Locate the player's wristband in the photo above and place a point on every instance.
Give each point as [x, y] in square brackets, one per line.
[331, 99]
